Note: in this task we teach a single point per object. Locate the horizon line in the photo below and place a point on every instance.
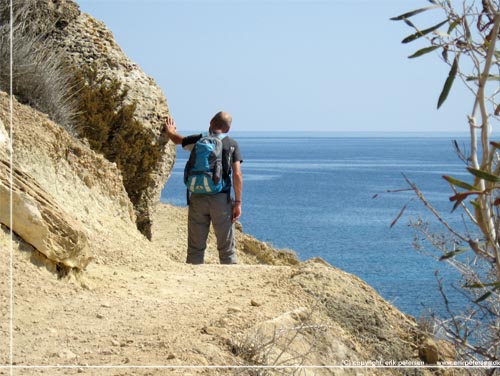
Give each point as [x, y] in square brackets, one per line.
[320, 133]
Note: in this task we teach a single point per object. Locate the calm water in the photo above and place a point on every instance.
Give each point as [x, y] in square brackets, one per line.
[315, 195]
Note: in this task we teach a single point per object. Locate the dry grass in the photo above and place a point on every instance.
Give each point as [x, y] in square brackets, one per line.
[40, 78]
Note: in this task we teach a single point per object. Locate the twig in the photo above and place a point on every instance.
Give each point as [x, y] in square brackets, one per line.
[431, 208]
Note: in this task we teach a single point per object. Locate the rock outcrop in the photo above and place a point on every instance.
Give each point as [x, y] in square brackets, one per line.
[84, 41]
[40, 221]
[37, 217]
[87, 187]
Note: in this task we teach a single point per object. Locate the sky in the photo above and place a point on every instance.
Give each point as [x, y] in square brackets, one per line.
[288, 65]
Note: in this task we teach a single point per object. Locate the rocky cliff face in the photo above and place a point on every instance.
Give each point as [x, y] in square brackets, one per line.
[84, 41]
[67, 195]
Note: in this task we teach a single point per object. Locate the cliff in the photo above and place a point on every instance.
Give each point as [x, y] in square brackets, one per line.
[93, 295]
[53, 37]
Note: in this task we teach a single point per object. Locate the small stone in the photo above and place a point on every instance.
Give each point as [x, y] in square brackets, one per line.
[234, 310]
[66, 354]
[255, 303]
[171, 356]
[114, 342]
[99, 316]
[428, 351]
[214, 331]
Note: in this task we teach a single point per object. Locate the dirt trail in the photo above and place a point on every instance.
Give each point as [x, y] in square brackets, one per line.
[151, 314]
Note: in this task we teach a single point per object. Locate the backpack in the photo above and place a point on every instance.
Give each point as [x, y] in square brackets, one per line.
[203, 171]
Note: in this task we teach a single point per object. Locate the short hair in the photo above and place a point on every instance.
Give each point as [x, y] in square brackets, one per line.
[221, 121]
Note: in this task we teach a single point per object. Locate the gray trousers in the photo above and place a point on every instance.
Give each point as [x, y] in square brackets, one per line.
[204, 209]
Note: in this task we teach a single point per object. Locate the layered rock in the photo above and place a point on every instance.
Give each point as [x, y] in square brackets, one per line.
[87, 187]
[40, 221]
[33, 214]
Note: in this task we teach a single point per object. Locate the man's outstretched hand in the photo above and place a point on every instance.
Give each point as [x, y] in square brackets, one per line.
[170, 127]
[171, 130]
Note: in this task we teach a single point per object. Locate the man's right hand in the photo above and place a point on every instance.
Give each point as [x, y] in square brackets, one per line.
[171, 131]
[170, 127]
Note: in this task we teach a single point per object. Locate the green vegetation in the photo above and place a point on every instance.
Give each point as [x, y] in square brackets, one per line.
[107, 122]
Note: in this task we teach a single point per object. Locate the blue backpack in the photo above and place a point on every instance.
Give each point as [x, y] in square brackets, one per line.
[203, 171]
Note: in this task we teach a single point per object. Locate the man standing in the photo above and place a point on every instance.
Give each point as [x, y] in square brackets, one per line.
[217, 208]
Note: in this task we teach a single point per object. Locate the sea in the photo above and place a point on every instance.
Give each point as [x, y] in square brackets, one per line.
[336, 195]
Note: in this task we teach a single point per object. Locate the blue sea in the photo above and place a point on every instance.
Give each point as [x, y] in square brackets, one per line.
[314, 194]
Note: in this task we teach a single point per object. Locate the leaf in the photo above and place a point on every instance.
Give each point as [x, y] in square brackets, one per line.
[453, 25]
[460, 197]
[412, 13]
[449, 82]
[423, 51]
[468, 35]
[419, 34]
[460, 184]
[496, 202]
[453, 253]
[409, 23]
[398, 216]
[445, 53]
[480, 285]
[484, 297]
[497, 111]
[475, 204]
[495, 144]
[484, 175]
[490, 77]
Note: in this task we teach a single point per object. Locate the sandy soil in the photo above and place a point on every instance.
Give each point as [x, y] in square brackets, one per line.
[140, 315]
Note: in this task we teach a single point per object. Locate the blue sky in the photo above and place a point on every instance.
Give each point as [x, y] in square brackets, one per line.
[287, 65]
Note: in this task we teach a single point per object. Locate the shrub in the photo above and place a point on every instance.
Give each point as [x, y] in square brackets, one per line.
[107, 122]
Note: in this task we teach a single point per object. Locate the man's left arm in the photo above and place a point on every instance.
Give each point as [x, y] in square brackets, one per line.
[238, 189]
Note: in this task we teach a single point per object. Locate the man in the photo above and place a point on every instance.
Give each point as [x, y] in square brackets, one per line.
[216, 208]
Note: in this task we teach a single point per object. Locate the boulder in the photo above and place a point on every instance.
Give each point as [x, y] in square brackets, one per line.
[88, 41]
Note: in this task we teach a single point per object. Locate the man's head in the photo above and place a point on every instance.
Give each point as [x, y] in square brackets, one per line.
[221, 122]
